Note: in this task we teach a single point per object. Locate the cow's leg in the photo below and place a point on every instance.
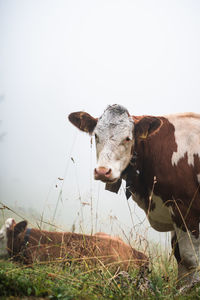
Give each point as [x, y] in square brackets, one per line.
[186, 251]
[182, 269]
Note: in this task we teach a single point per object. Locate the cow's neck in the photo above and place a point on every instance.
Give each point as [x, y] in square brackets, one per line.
[132, 175]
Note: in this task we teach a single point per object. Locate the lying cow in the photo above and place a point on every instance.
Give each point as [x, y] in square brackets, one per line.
[30, 245]
[159, 158]
[108, 236]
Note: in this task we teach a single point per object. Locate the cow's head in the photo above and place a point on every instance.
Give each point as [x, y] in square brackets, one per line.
[10, 240]
[15, 238]
[115, 133]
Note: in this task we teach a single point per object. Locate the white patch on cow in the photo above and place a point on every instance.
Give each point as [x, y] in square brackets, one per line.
[3, 236]
[112, 148]
[160, 217]
[187, 136]
[190, 256]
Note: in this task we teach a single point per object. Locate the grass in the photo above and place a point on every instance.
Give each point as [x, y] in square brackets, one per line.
[78, 281]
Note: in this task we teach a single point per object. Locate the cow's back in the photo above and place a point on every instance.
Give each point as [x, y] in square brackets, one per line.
[52, 246]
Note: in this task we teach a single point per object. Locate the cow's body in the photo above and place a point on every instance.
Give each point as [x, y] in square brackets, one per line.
[166, 171]
[32, 245]
[159, 158]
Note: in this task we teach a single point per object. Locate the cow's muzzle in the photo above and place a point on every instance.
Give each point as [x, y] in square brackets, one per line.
[103, 174]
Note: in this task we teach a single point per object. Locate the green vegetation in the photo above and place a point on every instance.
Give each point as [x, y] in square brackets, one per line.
[75, 281]
[79, 281]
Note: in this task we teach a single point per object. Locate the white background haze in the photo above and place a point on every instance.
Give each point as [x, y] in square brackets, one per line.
[62, 56]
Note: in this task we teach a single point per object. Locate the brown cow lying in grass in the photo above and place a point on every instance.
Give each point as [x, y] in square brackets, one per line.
[32, 245]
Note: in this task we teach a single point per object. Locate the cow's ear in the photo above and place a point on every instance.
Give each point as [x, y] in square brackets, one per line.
[20, 227]
[146, 127]
[83, 121]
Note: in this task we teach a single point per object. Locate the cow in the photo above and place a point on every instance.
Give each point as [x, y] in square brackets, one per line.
[108, 236]
[29, 245]
[159, 159]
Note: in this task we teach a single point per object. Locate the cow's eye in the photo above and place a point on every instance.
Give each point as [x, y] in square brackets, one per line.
[127, 139]
[96, 138]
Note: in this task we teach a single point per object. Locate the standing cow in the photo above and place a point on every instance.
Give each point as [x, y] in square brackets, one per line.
[159, 158]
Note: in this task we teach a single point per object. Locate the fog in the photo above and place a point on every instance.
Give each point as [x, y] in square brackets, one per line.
[62, 56]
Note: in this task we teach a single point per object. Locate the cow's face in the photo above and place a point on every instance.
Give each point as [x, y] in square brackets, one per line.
[114, 140]
[114, 143]
[15, 241]
[115, 133]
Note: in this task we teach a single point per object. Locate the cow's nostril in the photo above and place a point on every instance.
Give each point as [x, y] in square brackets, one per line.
[102, 172]
[108, 173]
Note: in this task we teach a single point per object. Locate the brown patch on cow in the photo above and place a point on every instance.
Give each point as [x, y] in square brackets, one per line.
[65, 246]
[174, 183]
[136, 119]
[83, 121]
[147, 126]
[197, 165]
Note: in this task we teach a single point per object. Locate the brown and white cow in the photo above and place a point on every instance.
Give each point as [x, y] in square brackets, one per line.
[159, 158]
[30, 245]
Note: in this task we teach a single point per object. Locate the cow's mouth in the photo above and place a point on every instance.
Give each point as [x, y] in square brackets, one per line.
[106, 180]
[106, 175]
[109, 181]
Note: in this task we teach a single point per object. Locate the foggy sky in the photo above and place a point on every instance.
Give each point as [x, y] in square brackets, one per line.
[62, 56]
